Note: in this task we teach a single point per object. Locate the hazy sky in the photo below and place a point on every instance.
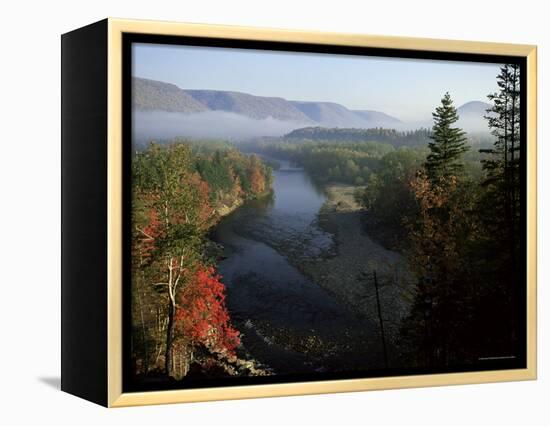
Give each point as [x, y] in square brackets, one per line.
[406, 88]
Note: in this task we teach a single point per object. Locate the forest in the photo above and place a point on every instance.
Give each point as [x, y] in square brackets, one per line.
[447, 202]
[179, 316]
[452, 206]
[464, 239]
[390, 136]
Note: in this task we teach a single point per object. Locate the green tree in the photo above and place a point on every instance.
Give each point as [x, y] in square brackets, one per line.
[388, 196]
[176, 198]
[178, 190]
[500, 204]
[448, 143]
[351, 169]
[438, 325]
[438, 236]
[502, 165]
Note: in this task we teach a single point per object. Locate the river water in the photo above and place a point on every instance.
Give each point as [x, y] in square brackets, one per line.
[288, 322]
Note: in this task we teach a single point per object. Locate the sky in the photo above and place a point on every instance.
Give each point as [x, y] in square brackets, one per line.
[408, 89]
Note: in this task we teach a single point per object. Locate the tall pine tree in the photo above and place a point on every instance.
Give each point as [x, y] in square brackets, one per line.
[436, 325]
[500, 220]
[448, 143]
[502, 165]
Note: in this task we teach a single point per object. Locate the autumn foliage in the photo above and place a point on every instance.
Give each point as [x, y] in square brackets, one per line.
[147, 235]
[205, 212]
[202, 316]
[257, 179]
[179, 315]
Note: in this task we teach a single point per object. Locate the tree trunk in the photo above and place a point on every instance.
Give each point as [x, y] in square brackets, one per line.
[169, 340]
[143, 336]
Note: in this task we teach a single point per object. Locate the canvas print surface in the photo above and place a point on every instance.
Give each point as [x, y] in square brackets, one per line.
[308, 216]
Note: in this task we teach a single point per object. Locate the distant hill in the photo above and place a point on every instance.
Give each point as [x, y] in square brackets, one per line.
[151, 95]
[471, 116]
[377, 118]
[167, 111]
[477, 108]
[258, 107]
[330, 114]
[156, 95]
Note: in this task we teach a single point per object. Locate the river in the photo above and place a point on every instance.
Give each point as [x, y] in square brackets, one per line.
[289, 323]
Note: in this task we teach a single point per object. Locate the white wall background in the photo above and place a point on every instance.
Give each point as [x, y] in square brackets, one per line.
[30, 200]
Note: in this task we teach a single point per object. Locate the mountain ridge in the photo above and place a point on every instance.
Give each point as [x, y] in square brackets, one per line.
[153, 96]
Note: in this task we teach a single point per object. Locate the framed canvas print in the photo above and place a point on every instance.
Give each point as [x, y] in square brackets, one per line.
[254, 212]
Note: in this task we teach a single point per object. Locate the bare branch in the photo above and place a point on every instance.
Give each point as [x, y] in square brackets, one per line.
[145, 233]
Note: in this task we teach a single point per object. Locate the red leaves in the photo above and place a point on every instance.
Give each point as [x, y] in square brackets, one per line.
[148, 235]
[202, 315]
[159, 216]
[171, 215]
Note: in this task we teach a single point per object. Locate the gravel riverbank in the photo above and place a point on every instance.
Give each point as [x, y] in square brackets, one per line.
[348, 272]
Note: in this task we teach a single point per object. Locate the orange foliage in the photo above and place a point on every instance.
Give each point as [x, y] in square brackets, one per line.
[237, 187]
[205, 210]
[145, 241]
[257, 179]
[433, 236]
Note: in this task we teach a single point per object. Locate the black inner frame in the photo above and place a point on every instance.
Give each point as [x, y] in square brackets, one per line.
[129, 384]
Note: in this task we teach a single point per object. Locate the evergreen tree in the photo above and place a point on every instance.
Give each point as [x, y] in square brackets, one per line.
[447, 145]
[502, 165]
[437, 239]
[500, 220]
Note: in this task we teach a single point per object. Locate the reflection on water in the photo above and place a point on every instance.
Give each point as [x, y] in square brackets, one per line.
[288, 322]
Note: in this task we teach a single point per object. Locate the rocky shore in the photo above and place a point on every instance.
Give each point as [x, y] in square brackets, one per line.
[348, 270]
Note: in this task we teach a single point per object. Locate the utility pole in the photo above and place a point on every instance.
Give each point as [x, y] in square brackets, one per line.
[380, 319]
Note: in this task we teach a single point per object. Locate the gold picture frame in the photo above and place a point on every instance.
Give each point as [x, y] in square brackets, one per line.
[116, 28]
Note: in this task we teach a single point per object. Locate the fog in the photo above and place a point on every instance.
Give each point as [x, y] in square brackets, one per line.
[470, 124]
[160, 125]
[155, 125]
[473, 124]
